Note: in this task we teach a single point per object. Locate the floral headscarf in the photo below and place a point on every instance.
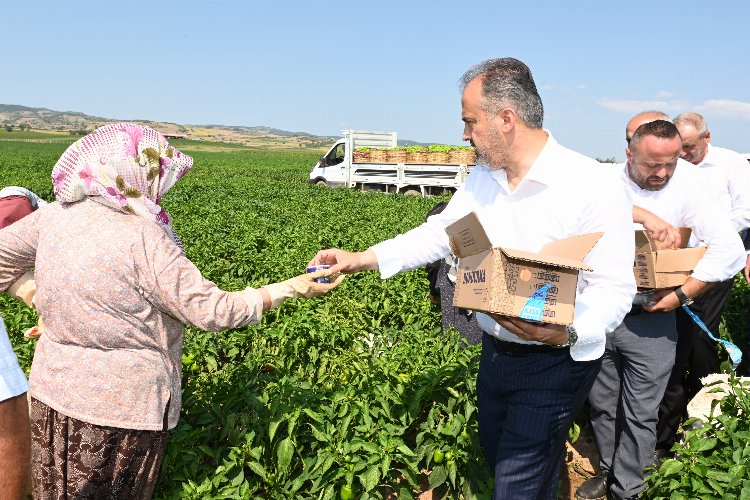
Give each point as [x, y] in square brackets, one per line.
[125, 166]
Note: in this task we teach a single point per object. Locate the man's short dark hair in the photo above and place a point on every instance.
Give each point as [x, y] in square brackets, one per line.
[507, 83]
[661, 129]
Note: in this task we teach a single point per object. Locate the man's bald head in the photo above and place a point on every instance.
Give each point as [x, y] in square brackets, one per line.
[640, 119]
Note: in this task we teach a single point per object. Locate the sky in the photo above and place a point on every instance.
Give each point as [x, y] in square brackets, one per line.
[321, 66]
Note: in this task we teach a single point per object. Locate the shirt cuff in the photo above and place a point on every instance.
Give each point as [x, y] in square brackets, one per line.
[254, 301]
[389, 262]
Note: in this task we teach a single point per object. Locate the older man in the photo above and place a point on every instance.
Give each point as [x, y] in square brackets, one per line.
[526, 190]
[640, 352]
[726, 175]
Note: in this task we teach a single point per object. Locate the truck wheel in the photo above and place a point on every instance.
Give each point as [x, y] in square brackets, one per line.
[412, 192]
[321, 182]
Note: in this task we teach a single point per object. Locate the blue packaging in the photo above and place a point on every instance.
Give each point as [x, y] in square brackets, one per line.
[320, 267]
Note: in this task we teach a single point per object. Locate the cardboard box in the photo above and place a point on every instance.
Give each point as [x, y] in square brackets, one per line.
[535, 286]
[657, 267]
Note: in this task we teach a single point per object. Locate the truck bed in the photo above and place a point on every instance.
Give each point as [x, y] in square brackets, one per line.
[408, 174]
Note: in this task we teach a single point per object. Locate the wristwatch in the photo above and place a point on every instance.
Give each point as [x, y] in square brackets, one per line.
[684, 300]
[572, 337]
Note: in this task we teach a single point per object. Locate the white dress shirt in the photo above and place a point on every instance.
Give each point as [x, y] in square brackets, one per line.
[564, 194]
[685, 202]
[12, 379]
[726, 175]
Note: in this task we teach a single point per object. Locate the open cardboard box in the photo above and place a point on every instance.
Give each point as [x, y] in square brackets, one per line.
[657, 267]
[535, 286]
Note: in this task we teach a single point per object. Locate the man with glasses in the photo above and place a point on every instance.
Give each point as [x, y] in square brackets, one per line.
[639, 353]
[726, 175]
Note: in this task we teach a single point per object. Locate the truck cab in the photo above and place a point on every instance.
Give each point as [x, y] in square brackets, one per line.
[332, 168]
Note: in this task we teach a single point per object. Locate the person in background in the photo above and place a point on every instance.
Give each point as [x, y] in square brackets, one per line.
[726, 175]
[115, 289]
[441, 275]
[15, 435]
[744, 368]
[527, 190]
[639, 353]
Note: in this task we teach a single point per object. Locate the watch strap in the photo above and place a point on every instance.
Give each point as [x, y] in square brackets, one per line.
[684, 300]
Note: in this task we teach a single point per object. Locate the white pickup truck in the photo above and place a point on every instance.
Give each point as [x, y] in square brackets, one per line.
[337, 168]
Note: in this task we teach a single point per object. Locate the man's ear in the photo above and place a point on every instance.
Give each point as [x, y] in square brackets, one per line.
[628, 155]
[708, 136]
[505, 120]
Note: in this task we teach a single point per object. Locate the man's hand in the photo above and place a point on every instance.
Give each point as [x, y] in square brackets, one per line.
[528, 330]
[342, 261]
[662, 301]
[659, 229]
[747, 269]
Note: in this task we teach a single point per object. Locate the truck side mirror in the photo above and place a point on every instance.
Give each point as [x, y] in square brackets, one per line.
[323, 162]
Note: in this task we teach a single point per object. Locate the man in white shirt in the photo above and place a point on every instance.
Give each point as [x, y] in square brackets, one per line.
[527, 190]
[640, 352]
[726, 175]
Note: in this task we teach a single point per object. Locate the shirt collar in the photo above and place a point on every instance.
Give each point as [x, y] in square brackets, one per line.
[543, 170]
[709, 158]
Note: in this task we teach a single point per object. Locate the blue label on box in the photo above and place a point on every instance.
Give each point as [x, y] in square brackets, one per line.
[533, 310]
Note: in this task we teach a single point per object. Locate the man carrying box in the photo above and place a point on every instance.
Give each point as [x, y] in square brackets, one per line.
[526, 191]
[726, 176]
[640, 352]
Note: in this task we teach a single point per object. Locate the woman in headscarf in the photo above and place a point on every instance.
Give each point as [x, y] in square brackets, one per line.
[115, 288]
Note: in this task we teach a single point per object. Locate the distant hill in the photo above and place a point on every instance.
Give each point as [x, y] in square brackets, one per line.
[76, 122]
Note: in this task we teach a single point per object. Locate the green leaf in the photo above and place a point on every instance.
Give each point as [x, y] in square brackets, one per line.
[437, 477]
[284, 452]
[719, 476]
[238, 478]
[257, 468]
[671, 467]
[405, 450]
[703, 444]
[153, 173]
[272, 427]
[315, 416]
[370, 478]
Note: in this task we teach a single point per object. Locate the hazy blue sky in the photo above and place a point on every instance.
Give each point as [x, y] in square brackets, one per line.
[321, 66]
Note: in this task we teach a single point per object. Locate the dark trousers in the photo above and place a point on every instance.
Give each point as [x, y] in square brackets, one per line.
[697, 356]
[527, 403]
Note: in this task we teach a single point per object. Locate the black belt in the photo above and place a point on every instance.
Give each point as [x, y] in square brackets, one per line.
[516, 348]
